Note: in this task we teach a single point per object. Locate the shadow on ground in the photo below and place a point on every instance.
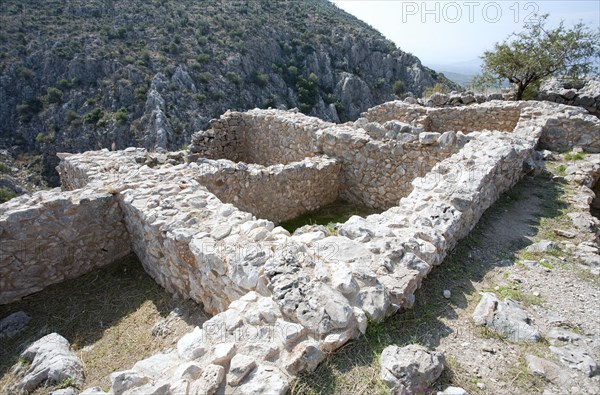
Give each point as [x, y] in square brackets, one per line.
[504, 229]
[83, 309]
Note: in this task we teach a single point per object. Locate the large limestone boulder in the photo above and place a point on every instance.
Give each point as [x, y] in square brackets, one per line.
[51, 362]
[411, 369]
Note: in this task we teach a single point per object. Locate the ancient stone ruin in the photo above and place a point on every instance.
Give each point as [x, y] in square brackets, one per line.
[204, 224]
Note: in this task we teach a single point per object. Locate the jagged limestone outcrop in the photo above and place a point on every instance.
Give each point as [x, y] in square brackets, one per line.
[150, 74]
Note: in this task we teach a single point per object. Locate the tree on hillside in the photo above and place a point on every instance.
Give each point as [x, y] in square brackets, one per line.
[536, 53]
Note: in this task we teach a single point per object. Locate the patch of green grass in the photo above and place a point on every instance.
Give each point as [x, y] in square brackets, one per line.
[6, 195]
[514, 291]
[66, 383]
[561, 170]
[571, 156]
[336, 212]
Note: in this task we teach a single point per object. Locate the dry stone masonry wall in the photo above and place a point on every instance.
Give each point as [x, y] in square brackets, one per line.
[277, 192]
[281, 301]
[52, 236]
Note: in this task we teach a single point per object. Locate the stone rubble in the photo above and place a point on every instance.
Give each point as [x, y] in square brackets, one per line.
[281, 301]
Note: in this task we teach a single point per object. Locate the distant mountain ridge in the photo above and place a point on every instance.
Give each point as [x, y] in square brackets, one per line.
[110, 74]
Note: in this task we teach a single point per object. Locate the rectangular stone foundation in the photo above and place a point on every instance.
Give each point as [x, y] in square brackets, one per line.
[315, 288]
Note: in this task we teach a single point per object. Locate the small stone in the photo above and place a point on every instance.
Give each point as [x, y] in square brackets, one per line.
[239, 368]
[65, 391]
[447, 294]
[543, 246]
[211, 379]
[564, 233]
[192, 345]
[453, 391]
[264, 380]
[126, 380]
[480, 385]
[222, 353]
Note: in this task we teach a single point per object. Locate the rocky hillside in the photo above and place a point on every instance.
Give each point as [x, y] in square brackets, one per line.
[92, 74]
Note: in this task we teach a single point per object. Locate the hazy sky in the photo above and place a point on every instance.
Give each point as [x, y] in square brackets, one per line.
[443, 32]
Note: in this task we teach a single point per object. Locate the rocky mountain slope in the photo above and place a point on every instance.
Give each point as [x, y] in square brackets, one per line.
[96, 74]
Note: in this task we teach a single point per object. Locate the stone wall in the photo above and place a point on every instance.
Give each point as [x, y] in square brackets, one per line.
[576, 128]
[494, 115]
[264, 137]
[277, 192]
[52, 236]
[378, 173]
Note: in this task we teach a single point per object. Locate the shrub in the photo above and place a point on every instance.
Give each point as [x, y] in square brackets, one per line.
[437, 88]
[27, 109]
[308, 92]
[398, 87]
[199, 97]
[205, 77]
[269, 102]
[121, 116]
[4, 168]
[54, 95]
[64, 84]
[93, 116]
[71, 116]
[26, 73]
[203, 58]
[233, 77]
[261, 79]
[140, 93]
[6, 195]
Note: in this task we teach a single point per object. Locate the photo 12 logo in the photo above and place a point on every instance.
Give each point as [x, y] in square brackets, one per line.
[469, 11]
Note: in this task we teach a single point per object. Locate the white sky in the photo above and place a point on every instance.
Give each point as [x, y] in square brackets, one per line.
[463, 29]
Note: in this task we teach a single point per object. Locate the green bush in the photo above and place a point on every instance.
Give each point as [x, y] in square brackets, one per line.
[121, 116]
[93, 116]
[261, 79]
[308, 92]
[203, 58]
[64, 84]
[437, 88]
[4, 168]
[269, 102]
[27, 109]
[205, 77]
[55, 95]
[398, 88]
[71, 116]
[233, 77]
[140, 93]
[25, 72]
[199, 97]
[6, 195]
